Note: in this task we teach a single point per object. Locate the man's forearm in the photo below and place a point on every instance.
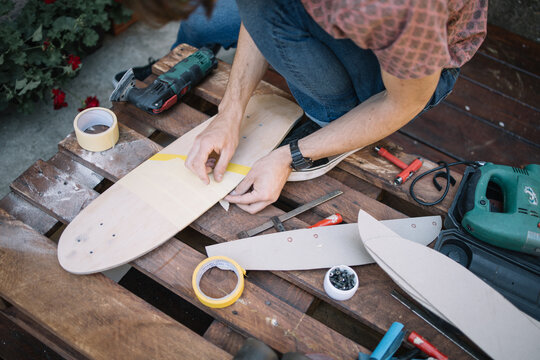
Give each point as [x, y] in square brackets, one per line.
[374, 119]
[248, 68]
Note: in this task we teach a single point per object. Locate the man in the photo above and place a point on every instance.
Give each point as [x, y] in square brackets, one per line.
[360, 69]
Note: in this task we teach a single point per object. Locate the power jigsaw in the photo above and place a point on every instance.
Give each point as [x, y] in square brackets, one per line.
[493, 229]
[169, 87]
[499, 205]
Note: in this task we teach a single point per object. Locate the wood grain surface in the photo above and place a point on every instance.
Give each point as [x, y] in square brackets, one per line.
[99, 318]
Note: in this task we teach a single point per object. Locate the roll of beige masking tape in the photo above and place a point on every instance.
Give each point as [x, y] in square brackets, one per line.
[92, 117]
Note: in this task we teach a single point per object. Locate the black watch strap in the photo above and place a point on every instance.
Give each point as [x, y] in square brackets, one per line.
[299, 162]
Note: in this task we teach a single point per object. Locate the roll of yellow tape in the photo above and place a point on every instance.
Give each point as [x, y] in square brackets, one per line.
[92, 117]
[223, 263]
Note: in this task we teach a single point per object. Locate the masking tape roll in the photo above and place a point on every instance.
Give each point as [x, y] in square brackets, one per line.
[92, 117]
[223, 263]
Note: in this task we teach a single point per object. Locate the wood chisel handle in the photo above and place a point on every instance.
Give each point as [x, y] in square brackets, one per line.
[425, 346]
[331, 220]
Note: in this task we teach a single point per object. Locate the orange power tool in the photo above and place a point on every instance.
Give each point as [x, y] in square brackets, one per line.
[408, 170]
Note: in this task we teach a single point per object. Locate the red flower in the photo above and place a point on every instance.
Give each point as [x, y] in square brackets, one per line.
[75, 61]
[91, 101]
[49, 1]
[45, 45]
[59, 98]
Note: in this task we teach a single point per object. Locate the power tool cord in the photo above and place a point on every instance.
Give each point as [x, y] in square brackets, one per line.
[442, 165]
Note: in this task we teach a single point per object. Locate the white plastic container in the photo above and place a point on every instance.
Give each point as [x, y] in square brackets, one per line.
[336, 293]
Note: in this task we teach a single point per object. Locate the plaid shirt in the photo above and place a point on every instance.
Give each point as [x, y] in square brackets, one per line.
[411, 38]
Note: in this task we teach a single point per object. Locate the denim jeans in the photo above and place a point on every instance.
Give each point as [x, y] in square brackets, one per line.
[220, 29]
[328, 77]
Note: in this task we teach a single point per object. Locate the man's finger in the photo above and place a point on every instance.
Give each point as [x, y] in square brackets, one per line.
[254, 208]
[196, 161]
[245, 199]
[221, 165]
[244, 186]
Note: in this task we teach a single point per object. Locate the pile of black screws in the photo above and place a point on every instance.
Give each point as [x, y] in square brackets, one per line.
[342, 279]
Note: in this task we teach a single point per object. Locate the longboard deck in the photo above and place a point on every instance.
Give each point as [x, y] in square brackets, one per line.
[317, 248]
[452, 292]
[161, 196]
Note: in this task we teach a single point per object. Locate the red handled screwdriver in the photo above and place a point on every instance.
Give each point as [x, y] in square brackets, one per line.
[425, 346]
[408, 170]
[331, 220]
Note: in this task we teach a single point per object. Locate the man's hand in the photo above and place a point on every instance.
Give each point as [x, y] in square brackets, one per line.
[221, 137]
[263, 184]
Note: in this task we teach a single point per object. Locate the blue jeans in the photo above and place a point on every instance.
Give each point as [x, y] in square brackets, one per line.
[220, 29]
[328, 77]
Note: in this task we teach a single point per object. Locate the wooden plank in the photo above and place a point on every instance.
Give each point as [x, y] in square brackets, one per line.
[142, 128]
[213, 87]
[168, 258]
[512, 49]
[465, 137]
[33, 335]
[256, 313]
[177, 121]
[28, 213]
[224, 337]
[76, 170]
[372, 304]
[44, 184]
[132, 148]
[367, 165]
[501, 111]
[510, 82]
[16, 343]
[346, 204]
[97, 317]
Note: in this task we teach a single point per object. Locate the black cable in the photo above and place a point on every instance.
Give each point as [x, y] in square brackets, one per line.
[442, 165]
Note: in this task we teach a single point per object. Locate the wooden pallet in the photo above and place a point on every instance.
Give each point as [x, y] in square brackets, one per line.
[72, 316]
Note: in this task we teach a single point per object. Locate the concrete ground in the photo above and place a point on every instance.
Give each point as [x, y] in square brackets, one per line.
[27, 138]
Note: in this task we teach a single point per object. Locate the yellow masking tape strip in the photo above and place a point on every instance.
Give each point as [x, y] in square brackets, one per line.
[92, 117]
[235, 168]
[224, 263]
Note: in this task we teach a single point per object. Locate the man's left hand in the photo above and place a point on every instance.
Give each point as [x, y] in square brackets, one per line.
[262, 185]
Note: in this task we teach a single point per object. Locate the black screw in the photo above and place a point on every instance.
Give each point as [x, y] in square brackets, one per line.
[482, 202]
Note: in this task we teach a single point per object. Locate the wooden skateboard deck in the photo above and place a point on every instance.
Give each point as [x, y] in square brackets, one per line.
[317, 248]
[161, 196]
[453, 293]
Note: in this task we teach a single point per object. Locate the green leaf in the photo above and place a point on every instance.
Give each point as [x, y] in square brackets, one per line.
[30, 86]
[6, 6]
[90, 38]
[19, 84]
[2, 59]
[38, 34]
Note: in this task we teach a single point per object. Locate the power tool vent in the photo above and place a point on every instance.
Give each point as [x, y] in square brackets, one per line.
[534, 213]
[523, 211]
[520, 171]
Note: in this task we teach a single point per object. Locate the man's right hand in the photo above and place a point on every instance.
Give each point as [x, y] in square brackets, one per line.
[221, 137]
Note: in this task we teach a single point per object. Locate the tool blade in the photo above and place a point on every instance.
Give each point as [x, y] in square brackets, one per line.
[124, 85]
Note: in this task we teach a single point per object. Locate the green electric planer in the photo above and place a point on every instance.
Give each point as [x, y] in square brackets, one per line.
[499, 205]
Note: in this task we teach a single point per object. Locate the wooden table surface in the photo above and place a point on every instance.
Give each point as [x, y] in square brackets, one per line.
[71, 316]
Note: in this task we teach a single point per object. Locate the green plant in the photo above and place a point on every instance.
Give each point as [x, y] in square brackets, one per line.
[43, 42]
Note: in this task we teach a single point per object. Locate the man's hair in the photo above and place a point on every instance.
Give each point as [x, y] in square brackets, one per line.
[159, 12]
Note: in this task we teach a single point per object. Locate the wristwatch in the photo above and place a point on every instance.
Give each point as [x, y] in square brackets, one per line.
[299, 162]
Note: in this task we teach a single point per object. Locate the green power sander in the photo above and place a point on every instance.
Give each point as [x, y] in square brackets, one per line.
[499, 205]
[169, 87]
